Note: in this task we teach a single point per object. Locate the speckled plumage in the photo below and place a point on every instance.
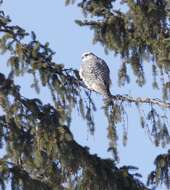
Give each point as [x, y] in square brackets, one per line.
[95, 74]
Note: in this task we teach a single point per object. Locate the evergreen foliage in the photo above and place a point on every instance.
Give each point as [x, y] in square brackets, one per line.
[41, 152]
[138, 30]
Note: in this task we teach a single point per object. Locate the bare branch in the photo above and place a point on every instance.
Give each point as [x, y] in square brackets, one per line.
[138, 100]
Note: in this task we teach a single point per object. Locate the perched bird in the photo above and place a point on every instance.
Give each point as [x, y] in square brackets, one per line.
[95, 74]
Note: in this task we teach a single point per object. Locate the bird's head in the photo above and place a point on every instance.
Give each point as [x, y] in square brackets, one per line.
[87, 55]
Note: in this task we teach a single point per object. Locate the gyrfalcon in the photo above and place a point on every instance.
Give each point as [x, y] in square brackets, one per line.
[95, 74]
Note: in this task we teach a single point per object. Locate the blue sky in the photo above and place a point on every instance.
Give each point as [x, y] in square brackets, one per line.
[53, 22]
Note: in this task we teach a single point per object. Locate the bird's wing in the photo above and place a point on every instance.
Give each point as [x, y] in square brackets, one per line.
[105, 72]
[104, 65]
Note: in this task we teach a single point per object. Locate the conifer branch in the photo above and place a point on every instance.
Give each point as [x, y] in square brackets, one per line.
[139, 100]
[108, 174]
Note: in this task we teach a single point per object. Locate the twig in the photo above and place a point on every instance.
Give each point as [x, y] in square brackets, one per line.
[138, 100]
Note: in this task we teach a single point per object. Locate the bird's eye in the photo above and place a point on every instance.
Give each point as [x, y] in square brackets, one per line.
[86, 55]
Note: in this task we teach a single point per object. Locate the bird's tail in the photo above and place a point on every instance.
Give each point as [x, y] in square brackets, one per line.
[107, 95]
